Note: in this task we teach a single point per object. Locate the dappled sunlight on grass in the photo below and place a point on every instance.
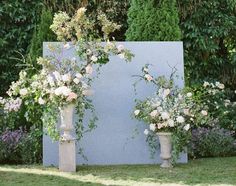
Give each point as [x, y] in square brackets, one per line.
[214, 171]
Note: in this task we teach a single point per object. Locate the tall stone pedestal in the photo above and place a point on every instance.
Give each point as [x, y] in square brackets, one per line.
[67, 156]
[67, 149]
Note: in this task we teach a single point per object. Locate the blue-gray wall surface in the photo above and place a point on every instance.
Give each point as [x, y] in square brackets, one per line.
[111, 142]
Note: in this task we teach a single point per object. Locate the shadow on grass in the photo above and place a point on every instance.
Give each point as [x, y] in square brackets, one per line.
[10, 178]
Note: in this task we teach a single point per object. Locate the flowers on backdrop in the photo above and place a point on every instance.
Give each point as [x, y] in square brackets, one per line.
[170, 109]
[63, 80]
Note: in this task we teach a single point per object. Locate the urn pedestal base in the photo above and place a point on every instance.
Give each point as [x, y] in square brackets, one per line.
[67, 156]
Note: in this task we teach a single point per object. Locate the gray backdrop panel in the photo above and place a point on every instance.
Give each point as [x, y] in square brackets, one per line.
[111, 142]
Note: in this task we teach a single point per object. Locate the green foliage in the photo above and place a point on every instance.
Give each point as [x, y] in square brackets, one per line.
[42, 33]
[17, 20]
[209, 40]
[153, 20]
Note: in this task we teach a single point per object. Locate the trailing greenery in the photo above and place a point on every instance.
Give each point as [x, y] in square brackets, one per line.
[209, 34]
[153, 20]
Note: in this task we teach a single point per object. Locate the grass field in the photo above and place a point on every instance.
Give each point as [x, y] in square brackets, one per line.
[210, 171]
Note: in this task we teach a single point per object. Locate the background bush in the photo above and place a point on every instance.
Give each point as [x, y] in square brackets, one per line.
[212, 142]
[153, 20]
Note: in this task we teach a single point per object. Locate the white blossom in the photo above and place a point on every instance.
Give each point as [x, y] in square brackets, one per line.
[204, 112]
[146, 132]
[154, 113]
[136, 112]
[94, 58]
[121, 55]
[148, 77]
[23, 91]
[76, 81]
[152, 127]
[120, 48]
[171, 122]
[66, 77]
[189, 94]
[41, 101]
[180, 119]
[205, 84]
[187, 127]
[165, 115]
[89, 69]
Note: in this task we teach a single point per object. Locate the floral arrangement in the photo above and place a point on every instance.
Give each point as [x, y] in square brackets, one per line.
[63, 81]
[171, 109]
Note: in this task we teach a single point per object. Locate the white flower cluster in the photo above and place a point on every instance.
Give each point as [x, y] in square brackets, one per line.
[12, 105]
[168, 110]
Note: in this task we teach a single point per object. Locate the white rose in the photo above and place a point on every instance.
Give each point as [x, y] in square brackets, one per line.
[148, 77]
[23, 91]
[50, 80]
[187, 127]
[63, 90]
[66, 78]
[165, 115]
[159, 109]
[205, 84]
[94, 58]
[121, 56]
[145, 70]
[154, 113]
[171, 123]
[89, 69]
[146, 132]
[136, 112]
[221, 86]
[67, 46]
[76, 81]
[89, 52]
[204, 112]
[186, 111]
[152, 127]
[189, 94]
[57, 75]
[166, 92]
[180, 119]
[120, 48]
[78, 75]
[41, 101]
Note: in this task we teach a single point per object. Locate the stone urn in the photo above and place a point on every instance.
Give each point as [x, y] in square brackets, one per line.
[67, 149]
[165, 148]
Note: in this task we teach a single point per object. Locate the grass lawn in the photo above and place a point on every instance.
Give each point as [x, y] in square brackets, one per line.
[211, 171]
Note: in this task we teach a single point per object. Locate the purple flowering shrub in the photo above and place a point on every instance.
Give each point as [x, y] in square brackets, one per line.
[9, 145]
[212, 142]
[20, 146]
